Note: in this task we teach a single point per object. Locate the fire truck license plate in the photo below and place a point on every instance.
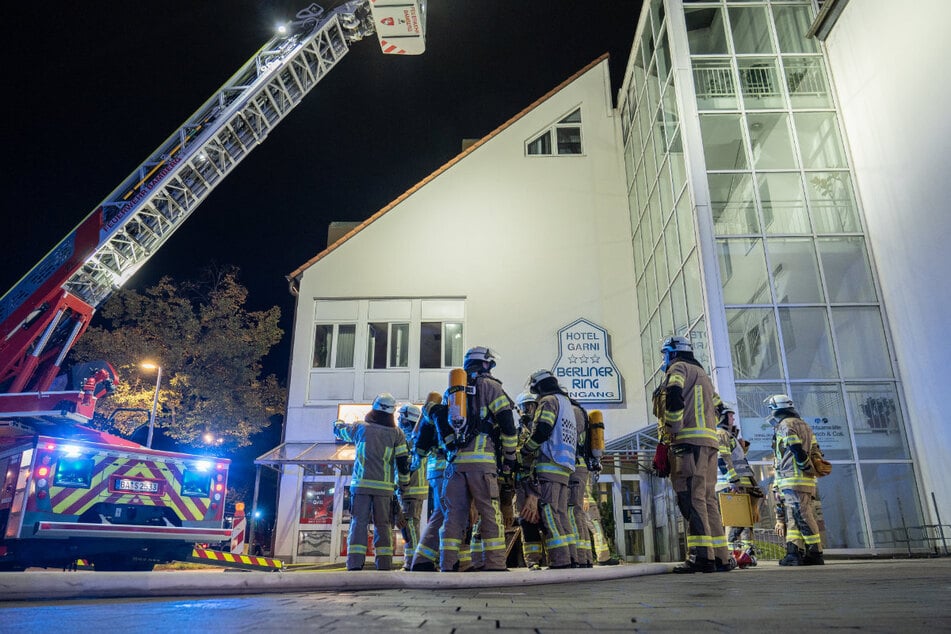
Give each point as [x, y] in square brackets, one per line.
[136, 486]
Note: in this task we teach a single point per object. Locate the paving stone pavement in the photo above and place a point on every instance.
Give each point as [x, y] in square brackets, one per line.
[869, 595]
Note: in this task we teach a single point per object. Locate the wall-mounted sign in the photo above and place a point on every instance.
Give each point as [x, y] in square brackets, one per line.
[584, 366]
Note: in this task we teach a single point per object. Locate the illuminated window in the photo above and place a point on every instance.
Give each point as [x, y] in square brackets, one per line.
[562, 138]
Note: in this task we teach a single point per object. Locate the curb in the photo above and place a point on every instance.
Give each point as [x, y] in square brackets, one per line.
[42, 586]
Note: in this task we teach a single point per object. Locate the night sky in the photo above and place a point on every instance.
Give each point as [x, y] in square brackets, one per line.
[92, 88]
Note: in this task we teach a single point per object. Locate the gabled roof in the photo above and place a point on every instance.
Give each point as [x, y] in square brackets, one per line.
[472, 148]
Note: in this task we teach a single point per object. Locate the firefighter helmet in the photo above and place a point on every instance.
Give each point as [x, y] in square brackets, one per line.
[538, 377]
[727, 408]
[778, 401]
[385, 403]
[481, 354]
[524, 399]
[676, 344]
[410, 412]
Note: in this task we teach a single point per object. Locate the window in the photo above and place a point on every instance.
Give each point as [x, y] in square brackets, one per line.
[333, 345]
[440, 344]
[566, 134]
[74, 472]
[387, 342]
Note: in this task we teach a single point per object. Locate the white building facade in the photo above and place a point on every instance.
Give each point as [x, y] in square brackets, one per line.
[521, 244]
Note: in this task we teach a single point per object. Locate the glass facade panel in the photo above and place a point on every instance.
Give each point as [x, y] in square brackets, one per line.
[399, 346]
[660, 264]
[713, 82]
[671, 117]
[842, 509]
[678, 167]
[723, 144]
[879, 427]
[685, 223]
[750, 26]
[808, 343]
[861, 340]
[761, 86]
[642, 313]
[784, 203]
[664, 189]
[453, 351]
[678, 302]
[705, 32]
[694, 288]
[832, 202]
[754, 344]
[792, 24]
[847, 272]
[673, 247]
[743, 271]
[795, 270]
[771, 142]
[701, 348]
[819, 140]
[807, 83]
[752, 417]
[892, 498]
[732, 204]
[821, 406]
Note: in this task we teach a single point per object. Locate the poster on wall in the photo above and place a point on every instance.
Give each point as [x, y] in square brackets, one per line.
[584, 366]
[317, 503]
[313, 543]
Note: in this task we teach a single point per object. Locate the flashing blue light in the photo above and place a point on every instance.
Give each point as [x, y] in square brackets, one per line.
[257, 515]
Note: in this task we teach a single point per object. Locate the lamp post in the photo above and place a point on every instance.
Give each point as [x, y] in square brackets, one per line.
[158, 383]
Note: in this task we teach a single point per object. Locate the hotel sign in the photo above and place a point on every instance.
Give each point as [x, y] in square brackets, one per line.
[584, 366]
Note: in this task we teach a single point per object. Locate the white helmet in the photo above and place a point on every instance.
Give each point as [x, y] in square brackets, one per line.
[523, 399]
[779, 401]
[385, 403]
[676, 344]
[479, 353]
[537, 377]
[727, 407]
[410, 412]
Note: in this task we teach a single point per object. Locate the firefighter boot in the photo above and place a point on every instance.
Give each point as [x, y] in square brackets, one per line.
[700, 564]
[813, 556]
[793, 556]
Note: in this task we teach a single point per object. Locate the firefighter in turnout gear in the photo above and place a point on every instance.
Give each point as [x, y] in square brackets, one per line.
[415, 493]
[472, 475]
[577, 489]
[527, 492]
[381, 453]
[795, 484]
[430, 448]
[690, 424]
[735, 474]
[551, 449]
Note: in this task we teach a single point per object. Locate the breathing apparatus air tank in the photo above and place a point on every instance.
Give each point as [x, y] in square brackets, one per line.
[456, 395]
[596, 433]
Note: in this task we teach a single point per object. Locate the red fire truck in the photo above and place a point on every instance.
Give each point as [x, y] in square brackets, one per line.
[70, 492]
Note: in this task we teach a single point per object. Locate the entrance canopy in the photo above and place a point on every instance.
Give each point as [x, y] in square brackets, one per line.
[314, 458]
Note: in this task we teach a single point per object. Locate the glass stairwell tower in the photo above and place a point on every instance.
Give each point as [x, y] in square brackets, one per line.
[749, 238]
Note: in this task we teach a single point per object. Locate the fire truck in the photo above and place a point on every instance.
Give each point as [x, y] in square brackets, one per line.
[69, 491]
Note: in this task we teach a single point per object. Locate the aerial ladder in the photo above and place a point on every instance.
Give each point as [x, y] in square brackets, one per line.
[44, 314]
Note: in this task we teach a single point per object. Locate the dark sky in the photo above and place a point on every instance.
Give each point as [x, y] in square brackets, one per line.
[92, 88]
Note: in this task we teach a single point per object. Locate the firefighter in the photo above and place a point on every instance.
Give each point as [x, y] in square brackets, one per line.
[735, 475]
[472, 475]
[795, 484]
[690, 423]
[413, 495]
[602, 550]
[429, 447]
[379, 444]
[551, 451]
[577, 489]
[527, 492]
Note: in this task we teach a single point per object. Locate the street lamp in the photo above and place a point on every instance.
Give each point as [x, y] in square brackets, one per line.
[158, 382]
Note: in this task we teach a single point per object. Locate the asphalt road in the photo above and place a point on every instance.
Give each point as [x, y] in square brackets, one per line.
[872, 596]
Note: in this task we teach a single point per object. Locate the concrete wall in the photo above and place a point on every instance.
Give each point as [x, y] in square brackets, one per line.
[887, 62]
